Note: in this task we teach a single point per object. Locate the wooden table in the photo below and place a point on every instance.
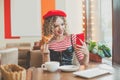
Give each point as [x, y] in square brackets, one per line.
[39, 74]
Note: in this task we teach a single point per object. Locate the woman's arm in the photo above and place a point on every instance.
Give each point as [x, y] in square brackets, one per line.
[82, 53]
[45, 52]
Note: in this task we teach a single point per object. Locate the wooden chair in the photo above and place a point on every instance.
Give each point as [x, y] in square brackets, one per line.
[36, 59]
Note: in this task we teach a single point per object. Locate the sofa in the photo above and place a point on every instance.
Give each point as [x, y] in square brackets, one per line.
[23, 52]
[9, 56]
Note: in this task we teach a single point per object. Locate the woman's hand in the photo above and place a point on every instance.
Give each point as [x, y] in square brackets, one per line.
[45, 52]
[84, 50]
[44, 48]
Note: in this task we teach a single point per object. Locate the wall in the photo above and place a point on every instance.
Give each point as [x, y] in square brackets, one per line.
[73, 9]
[3, 41]
[74, 18]
[25, 17]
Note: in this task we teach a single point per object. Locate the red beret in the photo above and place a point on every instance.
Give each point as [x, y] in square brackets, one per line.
[54, 13]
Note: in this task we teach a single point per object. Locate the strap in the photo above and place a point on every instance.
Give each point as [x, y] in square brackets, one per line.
[71, 40]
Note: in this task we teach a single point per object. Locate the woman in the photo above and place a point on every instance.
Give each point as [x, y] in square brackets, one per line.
[60, 46]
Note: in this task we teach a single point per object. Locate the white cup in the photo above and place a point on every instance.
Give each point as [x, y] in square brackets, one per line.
[51, 66]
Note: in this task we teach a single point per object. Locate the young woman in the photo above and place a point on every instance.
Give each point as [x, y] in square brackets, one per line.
[61, 46]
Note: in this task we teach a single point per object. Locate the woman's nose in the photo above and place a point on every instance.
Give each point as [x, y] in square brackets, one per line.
[60, 27]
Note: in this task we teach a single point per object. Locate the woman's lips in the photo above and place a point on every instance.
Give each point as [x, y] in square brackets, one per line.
[60, 32]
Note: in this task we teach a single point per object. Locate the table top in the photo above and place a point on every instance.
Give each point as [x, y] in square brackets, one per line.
[39, 74]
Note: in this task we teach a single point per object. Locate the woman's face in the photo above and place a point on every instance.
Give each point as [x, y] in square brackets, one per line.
[59, 27]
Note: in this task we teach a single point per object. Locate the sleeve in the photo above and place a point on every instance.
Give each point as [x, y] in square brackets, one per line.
[79, 55]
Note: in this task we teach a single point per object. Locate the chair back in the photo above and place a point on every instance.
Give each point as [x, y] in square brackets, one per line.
[9, 56]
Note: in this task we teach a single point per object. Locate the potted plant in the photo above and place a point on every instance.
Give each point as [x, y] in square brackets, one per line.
[98, 50]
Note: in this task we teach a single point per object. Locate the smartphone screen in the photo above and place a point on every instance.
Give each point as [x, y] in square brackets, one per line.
[80, 36]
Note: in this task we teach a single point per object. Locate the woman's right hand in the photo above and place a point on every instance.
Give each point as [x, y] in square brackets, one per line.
[45, 52]
[44, 48]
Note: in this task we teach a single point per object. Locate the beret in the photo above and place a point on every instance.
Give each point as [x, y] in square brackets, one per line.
[54, 13]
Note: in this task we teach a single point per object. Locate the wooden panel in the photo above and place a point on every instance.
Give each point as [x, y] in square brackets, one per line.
[116, 31]
[47, 5]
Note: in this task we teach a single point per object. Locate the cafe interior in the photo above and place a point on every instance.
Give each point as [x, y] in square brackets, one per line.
[21, 24]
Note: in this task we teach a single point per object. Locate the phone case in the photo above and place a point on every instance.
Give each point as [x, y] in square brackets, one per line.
[80, 36]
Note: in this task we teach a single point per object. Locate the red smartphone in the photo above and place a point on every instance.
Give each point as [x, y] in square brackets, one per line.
[80, 36]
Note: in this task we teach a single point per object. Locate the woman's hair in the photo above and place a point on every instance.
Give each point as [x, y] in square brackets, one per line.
[48, 25]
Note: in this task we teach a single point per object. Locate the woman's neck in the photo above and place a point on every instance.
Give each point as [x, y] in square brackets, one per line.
[59, 38]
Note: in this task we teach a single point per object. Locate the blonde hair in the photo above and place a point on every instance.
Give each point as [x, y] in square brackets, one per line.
[48, 25]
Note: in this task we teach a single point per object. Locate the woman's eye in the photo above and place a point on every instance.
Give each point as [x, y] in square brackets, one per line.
[55, 26]
[62, 24]
[59, 25]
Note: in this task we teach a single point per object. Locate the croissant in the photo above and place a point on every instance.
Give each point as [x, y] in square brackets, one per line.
[45, 39]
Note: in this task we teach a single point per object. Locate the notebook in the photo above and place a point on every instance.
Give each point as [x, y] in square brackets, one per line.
[91, 73]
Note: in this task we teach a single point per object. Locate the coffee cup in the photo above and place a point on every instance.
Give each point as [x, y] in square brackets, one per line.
[51, 66]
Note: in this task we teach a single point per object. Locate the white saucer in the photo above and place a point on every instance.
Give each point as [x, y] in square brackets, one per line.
[69, 68]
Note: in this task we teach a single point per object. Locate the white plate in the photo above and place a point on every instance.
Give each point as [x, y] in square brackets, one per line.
[69, 68]
[90, 73]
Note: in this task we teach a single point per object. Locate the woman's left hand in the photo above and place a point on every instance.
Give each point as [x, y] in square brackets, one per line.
[82, 48]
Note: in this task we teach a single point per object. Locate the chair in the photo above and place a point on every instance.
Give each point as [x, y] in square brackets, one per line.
[36, 59]
[9, 56]
[23, 52]
[19, 44]
[36, 45]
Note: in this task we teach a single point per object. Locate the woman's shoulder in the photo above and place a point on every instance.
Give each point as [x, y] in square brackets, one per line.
[68, 35]
[78, 34]
[71, 35]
